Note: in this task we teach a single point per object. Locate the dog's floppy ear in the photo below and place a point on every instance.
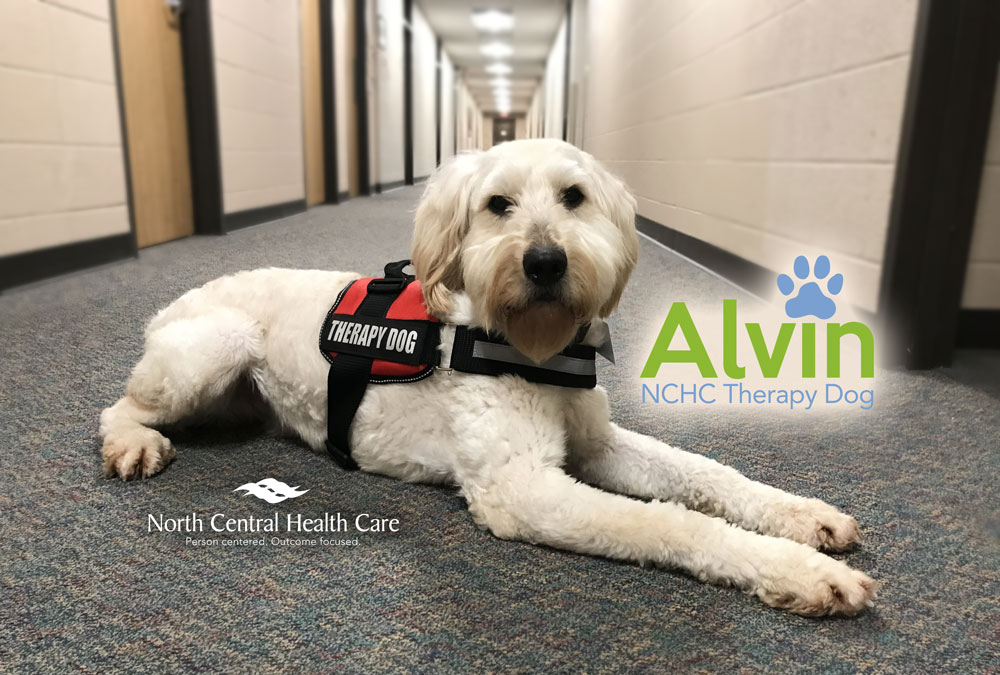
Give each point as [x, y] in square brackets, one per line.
[441, 223]
[614, 199]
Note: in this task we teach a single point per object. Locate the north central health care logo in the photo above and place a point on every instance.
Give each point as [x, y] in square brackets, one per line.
[767, 361]
[271, 491]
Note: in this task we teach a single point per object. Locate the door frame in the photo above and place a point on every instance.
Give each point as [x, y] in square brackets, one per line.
[938, 172]
[203, 117]
[328, 73]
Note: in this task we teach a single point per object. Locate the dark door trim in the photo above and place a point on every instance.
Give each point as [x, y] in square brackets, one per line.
[328, 75]
[939, 167]
[202, 117]
[361, 94]
[408, 92]
[437, 103]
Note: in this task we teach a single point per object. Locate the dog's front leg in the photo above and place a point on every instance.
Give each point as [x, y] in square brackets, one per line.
[543, 505]
[604, 454]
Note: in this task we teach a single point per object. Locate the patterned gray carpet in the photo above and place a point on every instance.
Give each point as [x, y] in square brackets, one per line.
[86, 587]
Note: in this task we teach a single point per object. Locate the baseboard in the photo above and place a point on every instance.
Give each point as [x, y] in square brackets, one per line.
[385, 187]
[978, 329]
[747, 275]
[24, 268]
[263, 214]
[740, 271]
[420, 179]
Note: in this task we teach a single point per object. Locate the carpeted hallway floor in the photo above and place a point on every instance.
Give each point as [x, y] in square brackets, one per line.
[86, 587]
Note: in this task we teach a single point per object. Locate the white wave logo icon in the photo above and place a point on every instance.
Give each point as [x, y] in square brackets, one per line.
[272, 491]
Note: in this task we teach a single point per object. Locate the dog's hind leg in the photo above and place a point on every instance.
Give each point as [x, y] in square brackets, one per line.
[188, 364]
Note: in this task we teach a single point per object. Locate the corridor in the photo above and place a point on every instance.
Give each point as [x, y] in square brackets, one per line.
[816, 304]
[443, 595]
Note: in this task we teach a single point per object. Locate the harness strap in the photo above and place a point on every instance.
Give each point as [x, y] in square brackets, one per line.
[476, 351]
[349, 373]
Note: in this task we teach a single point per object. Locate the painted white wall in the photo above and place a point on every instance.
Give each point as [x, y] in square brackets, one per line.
[767, 128]
[258, 59]
[469, 120]
[982, 278]
[448, 94]
[486, 133]
[424, 93]
[520, 128]
[387, 138]
[554, 85]
[62, 170]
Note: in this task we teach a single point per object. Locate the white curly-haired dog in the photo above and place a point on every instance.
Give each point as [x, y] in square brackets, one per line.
[535, 462]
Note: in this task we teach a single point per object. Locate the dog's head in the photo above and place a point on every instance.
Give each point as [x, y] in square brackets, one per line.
[538, 235]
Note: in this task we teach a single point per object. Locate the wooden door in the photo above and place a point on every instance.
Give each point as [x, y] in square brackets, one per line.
[149, 52]
[312, 102]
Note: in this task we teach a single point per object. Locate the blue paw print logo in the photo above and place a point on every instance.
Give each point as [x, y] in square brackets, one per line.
[810, 300]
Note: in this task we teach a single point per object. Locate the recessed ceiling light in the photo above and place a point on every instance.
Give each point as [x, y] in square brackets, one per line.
[497, 50]
[499, 69]
[493, 20]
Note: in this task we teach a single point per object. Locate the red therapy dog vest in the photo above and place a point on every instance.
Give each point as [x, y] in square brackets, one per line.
[401, 342]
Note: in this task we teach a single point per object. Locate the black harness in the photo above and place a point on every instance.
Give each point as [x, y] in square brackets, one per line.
[379, 332]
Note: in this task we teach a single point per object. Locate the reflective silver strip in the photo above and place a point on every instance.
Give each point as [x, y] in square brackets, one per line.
[558, 363]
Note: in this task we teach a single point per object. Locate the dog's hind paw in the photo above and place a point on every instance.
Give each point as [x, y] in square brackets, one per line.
[136, 453]
[812, 522]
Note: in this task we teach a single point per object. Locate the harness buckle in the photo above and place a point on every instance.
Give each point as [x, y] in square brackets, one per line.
[394, 285]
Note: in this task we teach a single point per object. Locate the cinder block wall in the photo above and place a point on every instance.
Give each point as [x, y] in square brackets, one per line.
[448, 116]
[424, 93]
[62, 170]
[259, 95]
[767, 128]
[387, 137]
[982, 279]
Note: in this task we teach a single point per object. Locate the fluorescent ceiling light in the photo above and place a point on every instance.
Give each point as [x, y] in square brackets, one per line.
[500, 83]
[497, 50]
[493, 20]
[499, 69]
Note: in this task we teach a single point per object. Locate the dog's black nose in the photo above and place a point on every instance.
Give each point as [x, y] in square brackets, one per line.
[545, 265]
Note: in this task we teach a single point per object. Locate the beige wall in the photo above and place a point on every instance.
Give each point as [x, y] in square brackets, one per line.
[554, 86]
[469, 120]
[533, 119]
[387, 136]
[767, 128]
[258, 84]
[62, 176]
[486, 132]
[424, 93]
[982, 279]
[447, 107]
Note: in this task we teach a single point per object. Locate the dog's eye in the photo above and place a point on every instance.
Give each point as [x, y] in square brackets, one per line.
[572, 197]
[499, 204]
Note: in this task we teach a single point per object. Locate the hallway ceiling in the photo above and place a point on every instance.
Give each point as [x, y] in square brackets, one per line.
[535, 25]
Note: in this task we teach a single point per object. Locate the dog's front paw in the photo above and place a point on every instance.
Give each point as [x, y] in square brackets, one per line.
[816, 585]
[137, 453]
[812, 522]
